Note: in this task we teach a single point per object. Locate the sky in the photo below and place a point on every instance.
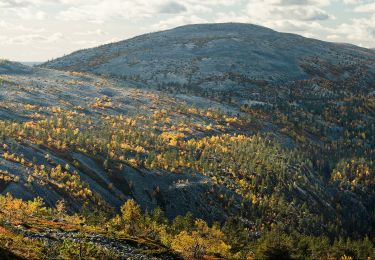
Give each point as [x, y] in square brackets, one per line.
[39, 30]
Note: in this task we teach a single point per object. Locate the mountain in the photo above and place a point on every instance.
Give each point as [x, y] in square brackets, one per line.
[235, 58]
[31, 63]
[262, 136]
[7, 67]
[27, 98]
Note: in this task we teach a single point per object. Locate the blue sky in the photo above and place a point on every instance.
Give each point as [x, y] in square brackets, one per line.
[38, 30]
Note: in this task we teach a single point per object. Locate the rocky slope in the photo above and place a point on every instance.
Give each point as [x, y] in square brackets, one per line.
[221, 120]
[7, 67]
[30, 97]
[239, 58]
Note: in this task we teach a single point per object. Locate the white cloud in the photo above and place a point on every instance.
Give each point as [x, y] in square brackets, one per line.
[20, 20]
[12, 3]
[94, 43]
[6, 26]
[102, 11]
[289, 15]
[177, 21]
[272, 10]
[366, 8]
[107, 10]
[359, 31]
[30, 38]
[24, 3]
[303, 17]
[172, 8]
[97, 32]
[352, 2]
[333, 37]
[231, 17]
[294, 2]
[30, 14]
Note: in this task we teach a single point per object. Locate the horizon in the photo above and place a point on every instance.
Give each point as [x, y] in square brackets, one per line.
[40, 30]
[37, 62]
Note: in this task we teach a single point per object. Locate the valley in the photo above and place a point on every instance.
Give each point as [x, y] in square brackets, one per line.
[211, 133]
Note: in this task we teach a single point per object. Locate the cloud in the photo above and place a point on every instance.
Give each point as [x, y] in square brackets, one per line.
[30, 14]
[120, 19]
[13, 3]
[270, 12]
[6, 26]
[295, 2]
[333, 37]
[97, 32]
[103, 11]
[24, 3]
[365, 8]
[95, 43]
[352, 2]
[23, 9]
[178, 21]
[303, 17]
[359, 31]
[305, 13]
[100, 11]
[109, 10]
[172, 8]
[30, 38]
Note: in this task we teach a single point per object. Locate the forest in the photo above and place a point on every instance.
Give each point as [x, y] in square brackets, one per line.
[295, 201]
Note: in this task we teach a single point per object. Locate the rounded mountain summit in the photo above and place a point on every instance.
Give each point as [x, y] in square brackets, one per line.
[222, 57]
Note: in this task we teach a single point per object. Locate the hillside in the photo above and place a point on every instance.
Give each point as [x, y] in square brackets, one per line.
[7, 67]
[37, 100]
[282, 141]
[238, 59]
[311, 96]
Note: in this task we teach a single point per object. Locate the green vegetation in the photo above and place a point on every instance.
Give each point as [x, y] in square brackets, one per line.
[305, 174]
[154, 235]
[276, 182]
